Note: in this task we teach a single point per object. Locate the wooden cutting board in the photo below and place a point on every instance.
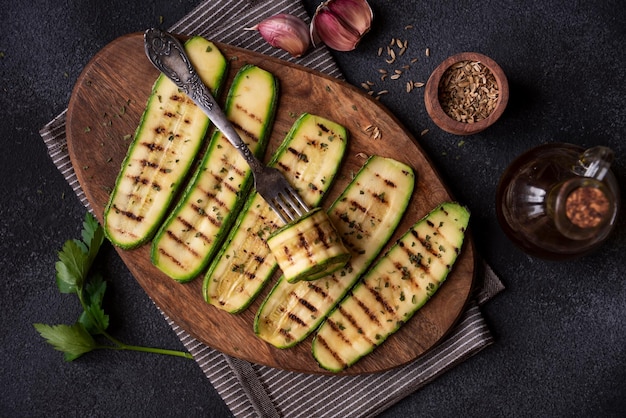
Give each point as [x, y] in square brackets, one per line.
[104, 111]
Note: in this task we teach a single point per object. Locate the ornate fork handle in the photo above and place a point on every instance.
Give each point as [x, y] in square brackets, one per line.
[168, 56]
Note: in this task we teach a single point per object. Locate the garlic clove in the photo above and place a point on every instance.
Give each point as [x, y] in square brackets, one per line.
[354, 13]
[331, 31]
[340, 24]
[286, 32]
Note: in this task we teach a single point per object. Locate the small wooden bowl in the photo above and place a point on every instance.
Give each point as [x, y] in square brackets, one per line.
[448, 123]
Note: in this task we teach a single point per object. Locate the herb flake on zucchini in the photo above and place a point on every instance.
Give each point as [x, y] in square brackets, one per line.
[192, 233]
[399, 284]
[309, 157]
[168, 138]
[366, 214]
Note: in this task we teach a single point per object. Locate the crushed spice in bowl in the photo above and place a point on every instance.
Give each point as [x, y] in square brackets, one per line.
[466, 93]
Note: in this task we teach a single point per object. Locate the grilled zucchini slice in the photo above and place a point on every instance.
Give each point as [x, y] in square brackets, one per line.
[366, 214]
[390, 293]
[170, 134]
[309, 157]
[308, 247]
[192, 233]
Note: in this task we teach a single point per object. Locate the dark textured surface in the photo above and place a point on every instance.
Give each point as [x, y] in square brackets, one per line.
[560, 327]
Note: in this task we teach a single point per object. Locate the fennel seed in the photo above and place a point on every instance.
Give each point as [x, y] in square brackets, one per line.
[468, 92]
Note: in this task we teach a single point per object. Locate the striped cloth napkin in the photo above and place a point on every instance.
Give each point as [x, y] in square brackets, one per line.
[251, 390]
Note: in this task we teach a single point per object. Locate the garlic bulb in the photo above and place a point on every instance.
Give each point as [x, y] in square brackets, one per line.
[341, 24]
[285, 31]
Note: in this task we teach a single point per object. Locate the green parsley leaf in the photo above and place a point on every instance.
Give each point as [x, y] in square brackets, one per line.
[93, 318]
[72, 340]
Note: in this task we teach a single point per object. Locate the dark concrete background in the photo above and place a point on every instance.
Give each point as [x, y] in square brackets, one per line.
[560, 327]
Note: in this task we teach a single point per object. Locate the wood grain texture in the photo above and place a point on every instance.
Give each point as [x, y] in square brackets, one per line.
[106, 105]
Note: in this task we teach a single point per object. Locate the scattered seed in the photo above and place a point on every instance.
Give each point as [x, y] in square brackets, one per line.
[380, 51]
[382, 92]
[395, 76]
[409, 86]
[362, 155]
[418, 84]
[365, 86]
[408, 27]
[382, 71]
[424, 132]
[428, 52]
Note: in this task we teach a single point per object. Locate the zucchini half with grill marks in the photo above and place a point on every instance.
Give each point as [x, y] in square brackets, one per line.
[168, 138]
[309, 157]
[192, 233]
[365, 215]
[390, 293]
[308, 248]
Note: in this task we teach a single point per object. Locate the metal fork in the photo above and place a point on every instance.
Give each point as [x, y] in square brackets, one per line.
[168, 56]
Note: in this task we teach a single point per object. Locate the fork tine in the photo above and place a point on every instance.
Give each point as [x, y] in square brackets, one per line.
[278, 210]
[290, 204]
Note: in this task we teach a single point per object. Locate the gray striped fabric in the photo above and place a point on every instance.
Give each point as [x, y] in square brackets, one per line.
[251, 390]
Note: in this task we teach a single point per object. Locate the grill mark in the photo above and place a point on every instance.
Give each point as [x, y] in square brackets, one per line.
[287, 253]
[198, 233]
[284, 167]
[230, 187]
[355, 324]
[299, 155]
[318, 290]
[153, 165]
[305, 303]
[351, 223]
[358, 206]
[425, 243]
[177, 239]
[295, 318]
[152, 146]
[321, 235]
[337, 330]
[142, 180]
[304, 244]
[379, 196]
[204, 214]
[249, 114]
[232, 167]
[172, 258]
[286, 334]
[128, 214]
[379, 298]
[332, 352]
[213, 197]
[147, 163]
[370, 314]
[323, 127]
[390, 183]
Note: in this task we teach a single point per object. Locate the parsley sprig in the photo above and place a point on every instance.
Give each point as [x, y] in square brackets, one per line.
[74, 276]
